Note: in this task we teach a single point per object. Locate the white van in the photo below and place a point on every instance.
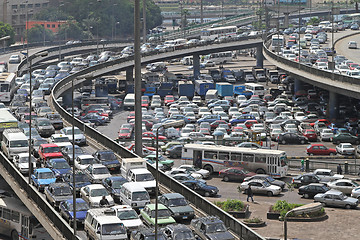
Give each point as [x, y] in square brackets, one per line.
[134, 194]
[143, 177]
[256, 89]
[102, 223]
[14, 142]
[131, 163]
[211, 94]
[129, 101]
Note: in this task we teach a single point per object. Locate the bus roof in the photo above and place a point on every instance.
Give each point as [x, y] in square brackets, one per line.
[6, 77]
[14, 204]
[220, 28]
[232, 149]
[7, 117]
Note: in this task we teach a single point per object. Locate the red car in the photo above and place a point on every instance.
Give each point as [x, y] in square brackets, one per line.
[49, 151]
[325, 121]
[147, 123]
[132, 146]
[145, 103]
[353, 66]
[169, 99]
[319, 149]
[130, 116]
[310, 134]
[124, 133]
[152, 136]
[235, 174]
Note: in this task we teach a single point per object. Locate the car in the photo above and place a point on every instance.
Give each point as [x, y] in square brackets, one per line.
[55, 120]
[288, 138]
[345, 149]
[176, 171]
[42, 177]
[178, 231]
[352, 45]
[84, 160]
[146, 233]
[14, 59]
[78, 135]
[343, 185]
[320, 149]
[261, 187]
[185, 177]
[345, 138]
[97, 172]
[234, 174]
[201, 188]
[336, 199]
[178, 206]
[44, 127]
[168, 164]
[55, 193]
[267, 178]
[305, 179]
[49, 151]
[355, 193]
[21, 162]
[211, 227]
[152, 135]
[249, 145]
[67, 210]
[113, 185]
[59, 166]
[124, 133]
[327, 175]
[326, 134]
[309, 191]
[60, 140]
[147, 214]
[81, 180]
[192, 169]
[310, 134]
[93, 193]
[68, 152]
[94, 118]
[108, 159]
[128, 217]
[208, 118]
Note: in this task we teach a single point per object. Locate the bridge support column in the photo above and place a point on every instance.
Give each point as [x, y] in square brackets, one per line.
[286, 20]
[129, 74]
[333, 107]
[66, 98]
[259, 57]
[196, 65]
[297, 85]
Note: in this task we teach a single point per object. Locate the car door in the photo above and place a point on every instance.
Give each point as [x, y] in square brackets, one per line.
[337, 201]
[238, 175]
[341, 186]
[256, 187]
[316, 150]
[328, 200]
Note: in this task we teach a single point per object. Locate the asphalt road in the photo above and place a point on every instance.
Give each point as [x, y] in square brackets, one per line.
[351, 54]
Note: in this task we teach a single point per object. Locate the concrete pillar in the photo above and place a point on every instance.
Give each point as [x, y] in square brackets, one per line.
[196, 65]
[129, 74]
[66, 98]
[333, 106]
[259, 57]
[286, 20]
[297, 85]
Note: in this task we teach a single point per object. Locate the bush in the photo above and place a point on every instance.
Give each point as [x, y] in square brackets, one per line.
[282, 207]
[253, 220]
[231, 205]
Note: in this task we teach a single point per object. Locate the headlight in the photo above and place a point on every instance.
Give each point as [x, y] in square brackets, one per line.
[133, 204]
[177, 214]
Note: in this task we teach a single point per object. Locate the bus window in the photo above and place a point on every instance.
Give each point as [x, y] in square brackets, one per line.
[15, 216]
[224, 155]
[210, 155]
[260, 158]
[236, 156]
[248, 157]
[7, 214]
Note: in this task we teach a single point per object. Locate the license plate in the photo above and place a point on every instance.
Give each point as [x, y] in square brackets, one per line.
[185, 217]
[112, 168]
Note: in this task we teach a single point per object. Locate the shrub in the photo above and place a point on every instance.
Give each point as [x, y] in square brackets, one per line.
[282, 207]
[231, 205]
[253, 220]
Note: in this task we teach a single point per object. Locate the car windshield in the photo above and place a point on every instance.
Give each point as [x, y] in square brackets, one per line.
[46, 175]
[62, 191]
[113, 229]
[215, 227]
[266, 184]
[162, 213]
[144, 177]
[81, 178]
[54, 117]
[39, 142]
[127, 214]
[85, 161]
[124, 131]
[26, 159]
[51, 150]
[177, 202]
[61, 139]
[270, 179]
[347, 146]
[355, 184]
[80, 206]
[61, 165]
[140, 196]
[118, 184]
[19, 143]
[102, 170]
[186, 234]
[99, 192]
[107, 156]
[76, 131]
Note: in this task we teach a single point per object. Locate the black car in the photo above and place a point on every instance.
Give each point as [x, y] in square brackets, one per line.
[178, 231]
[305, 179]
[309, 191]
[93, 118]
[211, 227]
[201, 188]
[175, 151]
[113, 185]
[81, 180]
[146, 233]
[288, 137]
[107, 158]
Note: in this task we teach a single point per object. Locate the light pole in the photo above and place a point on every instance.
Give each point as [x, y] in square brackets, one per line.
[164, 126]
[117, 23]
[29, 62]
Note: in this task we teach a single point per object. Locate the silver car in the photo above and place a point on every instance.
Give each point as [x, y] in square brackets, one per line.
[336, 199]
[343, 185]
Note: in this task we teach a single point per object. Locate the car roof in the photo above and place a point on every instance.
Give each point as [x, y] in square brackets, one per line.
[43, 170]
[45, 145]
[58, 185]
[151, 206]
[334, 192]
[95, 186]
[173, 195]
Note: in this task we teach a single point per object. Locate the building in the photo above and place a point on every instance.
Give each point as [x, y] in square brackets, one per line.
[53, 26]
[16, 12]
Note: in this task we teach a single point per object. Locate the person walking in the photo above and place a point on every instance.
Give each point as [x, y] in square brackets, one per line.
[250, 194]
[339, 169]
[302, 165]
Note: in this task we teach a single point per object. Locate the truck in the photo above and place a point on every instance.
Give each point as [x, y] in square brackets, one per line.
[186, 88]
[215, 74]
[202, 86]
[224, 89]
[7, 120]
[130, 163]
[166, 88]
[248, 76]
[273, 76]
[259, 74]
[240, 90]
[227, 76]
[150, 91]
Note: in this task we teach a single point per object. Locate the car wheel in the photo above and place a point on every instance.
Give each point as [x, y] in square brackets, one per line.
[332, 154]
[306, 195]
[209, 168]
[347, 206]
[311, 154]
[356, 142]
[270, 194]
[226, 178]
[207, 194]
[302, 141]
[283, 142]
[174, 156]
[338, 142]
[14, 235]
[260, 171]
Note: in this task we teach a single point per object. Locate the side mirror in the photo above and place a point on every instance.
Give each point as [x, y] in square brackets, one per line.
[98, 232]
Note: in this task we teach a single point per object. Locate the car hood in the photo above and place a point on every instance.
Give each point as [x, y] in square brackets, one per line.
[132, 223]
[53, 155]
[148, 184]
[25, 165]
[61, 198]
[211, 188]
[46, 181]
[80, 215]
[220, 236]
[181, 209]
[61, 171]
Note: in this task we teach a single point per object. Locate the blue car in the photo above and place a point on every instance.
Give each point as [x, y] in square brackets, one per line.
[42, 177]
[242, 118]
[201, 188]
[209, 118]
[67, 210]
[59, 166]
[113, 185]
[108, 159]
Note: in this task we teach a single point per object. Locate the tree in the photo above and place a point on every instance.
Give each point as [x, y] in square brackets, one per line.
[72, 30]
[39, 33]
[313, 21]
[7, 30]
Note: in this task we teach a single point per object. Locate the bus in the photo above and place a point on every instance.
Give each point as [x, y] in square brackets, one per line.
[219, 58]
[256, 89]
[7, 120]
[17, 222]
[214, 158]
[7, 86]
[210, 34]
[277, 42]
[351, 18]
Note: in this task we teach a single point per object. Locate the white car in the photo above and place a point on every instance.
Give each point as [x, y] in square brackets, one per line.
[345, 149]
[97, 172]
[291, 128]
[352, 45]
[128, 216]
[261, 186]
[192, 169]
[299, 116]
[355, 193]
[14, 59]
[327, 175]
[83, 161]
[21, 162]
[275, 133]
[60, 140]
[93, 193]
[326, 134]
[321, 65]
[79, 136]
[344, 185]
[175, 171]
[308, 37]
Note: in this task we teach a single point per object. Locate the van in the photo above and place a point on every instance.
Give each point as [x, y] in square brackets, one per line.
[102, 223]
[256, 89]
[129, 101]
[211, 94]
[134, 194]
[143, 177]
[131, 163]
[14, 142]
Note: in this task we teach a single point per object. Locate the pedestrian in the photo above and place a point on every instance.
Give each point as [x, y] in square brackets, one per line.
[104, 201]
[250, 194]
[339, 170]
[302, 165]
[59, 179]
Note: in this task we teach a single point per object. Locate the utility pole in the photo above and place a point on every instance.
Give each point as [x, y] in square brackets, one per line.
[201, 12]
[144, 21]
